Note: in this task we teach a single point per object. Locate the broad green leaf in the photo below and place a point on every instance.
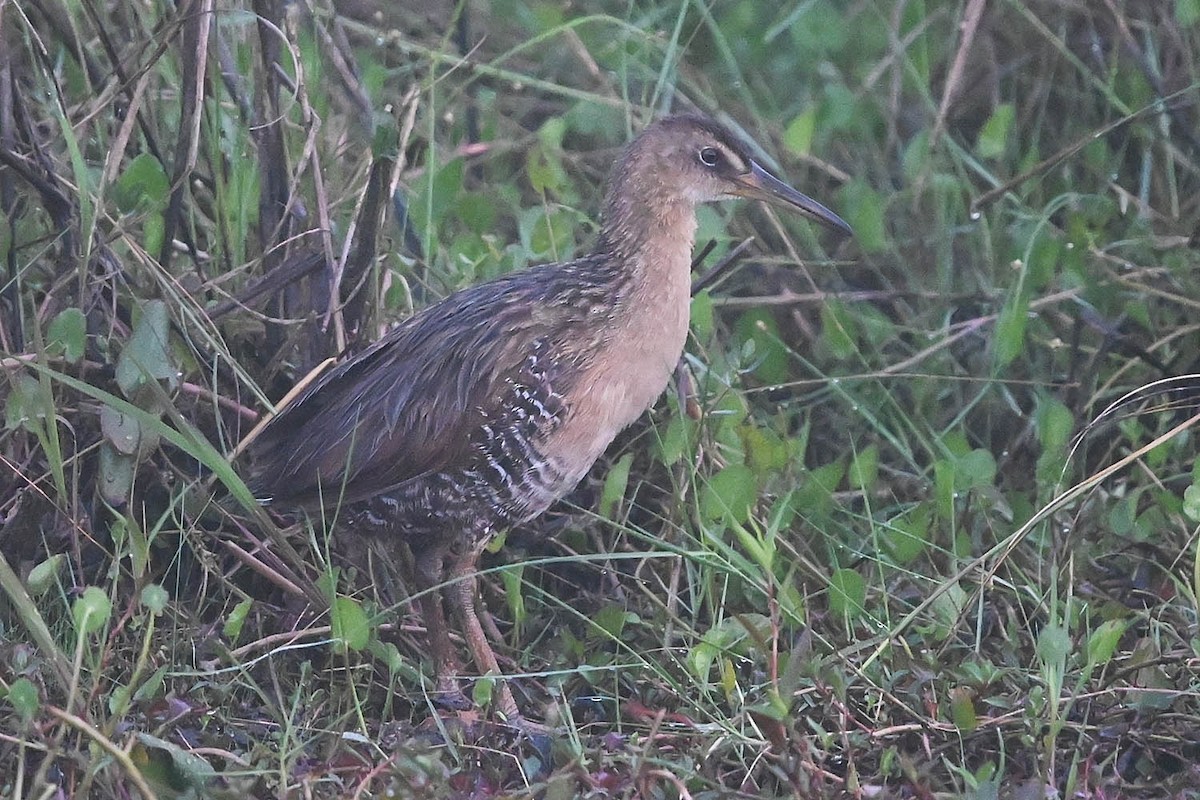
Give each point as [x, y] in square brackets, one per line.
[838, 330]
[1053, 645]
[1054, 422]
[125, 432]
[91, 610]
[544, 170]
[44, 575]
[614, 485]
[996, 132]
[864, 468]
[676, 441]
[68, 333]
[908, 535]
[152, 687]
[729, 494]
[27, 405]
[237, 618]
[847, 594]
[798, 136]
[1191, 502]
[722, 638]
[116, 474]
[154, 598]
[1187, 12]
[1123, 514]
[975, 470]
[23, 696]
[611, 620]
[147, 354]
[766, 451]
[483, 690]
[1009, 338]
[769, 356]
[863, 208]
[350, 627]
[142, 186]
[1103, 641]
[962, 708]
[171, 770]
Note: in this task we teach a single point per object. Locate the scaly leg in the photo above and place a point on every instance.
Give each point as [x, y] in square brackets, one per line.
[463, 590]
[446, 666]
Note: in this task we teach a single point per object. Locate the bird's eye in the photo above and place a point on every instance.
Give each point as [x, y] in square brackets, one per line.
[710, 156]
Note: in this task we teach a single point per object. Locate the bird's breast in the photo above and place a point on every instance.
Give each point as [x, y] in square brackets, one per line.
[632, 365]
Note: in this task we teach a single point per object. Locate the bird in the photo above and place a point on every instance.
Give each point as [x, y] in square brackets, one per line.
[475, 414]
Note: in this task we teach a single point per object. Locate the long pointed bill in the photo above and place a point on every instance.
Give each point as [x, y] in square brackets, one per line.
[762, 185]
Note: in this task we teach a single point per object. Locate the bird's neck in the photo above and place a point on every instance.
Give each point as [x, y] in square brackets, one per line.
[648, 239]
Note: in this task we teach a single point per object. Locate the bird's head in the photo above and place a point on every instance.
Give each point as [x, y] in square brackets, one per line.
[694, 159]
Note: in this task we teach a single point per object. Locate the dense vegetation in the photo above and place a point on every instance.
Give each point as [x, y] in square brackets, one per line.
[932, 533]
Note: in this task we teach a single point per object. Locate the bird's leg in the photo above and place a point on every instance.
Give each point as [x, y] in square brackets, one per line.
[446, 666]
[463, 577]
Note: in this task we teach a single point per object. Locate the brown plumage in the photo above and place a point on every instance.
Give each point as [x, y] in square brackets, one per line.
[478, 412]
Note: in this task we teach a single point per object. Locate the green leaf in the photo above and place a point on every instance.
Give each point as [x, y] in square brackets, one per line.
[125, 432]
[513, 577]
[68, 333]
[350, 626]
[1187, 12]
[908, 535]
[766, 451]
[962, 709]
[1123, 514]
[1191, 502]
[864, 210]
[976, 469]
[171, 770]
[118, 700]
[27, 405]
[611, 620]
[237, 618]
[729, 494]
[847, 594]
[142, 186]
[943, 487]
[147, 354]
[23, 696]
[435, 193]
[995, 134]
[154, 598]
[544, 170]
[1010, 331]
[1103, 641]
[702, 315]
[798, 136]
[483, 690]
[864, 469]
[614, 486]
[1055, 423]
[44, 576]
[770, 356]
[91, 610]
[722, 638]
[116, 474]
[1053, 645]
[838, 330]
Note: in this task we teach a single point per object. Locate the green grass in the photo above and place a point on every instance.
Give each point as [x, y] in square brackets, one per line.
[913, 546]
